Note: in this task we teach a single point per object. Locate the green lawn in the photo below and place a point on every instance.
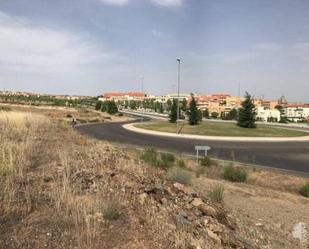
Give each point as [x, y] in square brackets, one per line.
[224, 129]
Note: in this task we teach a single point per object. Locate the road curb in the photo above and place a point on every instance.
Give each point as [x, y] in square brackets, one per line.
[131, 127]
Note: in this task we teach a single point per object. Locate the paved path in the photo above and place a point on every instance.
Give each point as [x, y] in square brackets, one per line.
[290, 155]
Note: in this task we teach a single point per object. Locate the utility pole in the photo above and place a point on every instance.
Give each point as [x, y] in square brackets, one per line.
[178, 88]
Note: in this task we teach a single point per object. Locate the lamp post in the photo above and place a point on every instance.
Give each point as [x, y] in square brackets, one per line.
[178, 88]
[142, 89]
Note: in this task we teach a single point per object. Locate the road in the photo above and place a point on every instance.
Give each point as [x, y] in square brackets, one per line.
[291, 156]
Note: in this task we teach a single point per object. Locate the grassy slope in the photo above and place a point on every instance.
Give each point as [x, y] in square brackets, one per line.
[224, 129]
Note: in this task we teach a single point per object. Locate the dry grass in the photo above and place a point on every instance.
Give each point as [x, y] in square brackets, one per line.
[59, 189]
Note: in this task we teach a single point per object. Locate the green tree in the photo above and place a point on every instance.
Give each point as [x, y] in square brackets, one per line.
[232, 115]
[214, 114]
[133, 105]
[206, 113]
[184, 105]
[112, 107]
[173, 113]
[169, 104]
[98, 105]
[247, 113]
[194, 114]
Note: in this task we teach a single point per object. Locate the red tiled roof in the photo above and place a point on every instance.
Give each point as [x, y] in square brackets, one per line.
[298, 105]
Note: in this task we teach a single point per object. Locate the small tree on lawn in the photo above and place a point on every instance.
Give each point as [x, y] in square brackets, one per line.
[247, 113]
[194, 113]
[206, 113]
[232, 115]
[173, 113]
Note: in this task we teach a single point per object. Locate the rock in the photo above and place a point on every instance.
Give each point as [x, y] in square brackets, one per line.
[142, 198]
[258, 224]
[182, 221]
[214, 236]
[205, 221]
[182, 188]
[208, 210]
[300, 232]
[197, 202]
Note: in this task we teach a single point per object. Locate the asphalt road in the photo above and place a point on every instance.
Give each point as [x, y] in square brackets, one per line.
[292, 156]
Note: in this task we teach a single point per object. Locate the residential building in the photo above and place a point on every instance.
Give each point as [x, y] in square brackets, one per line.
[265, 114]
[297, 112]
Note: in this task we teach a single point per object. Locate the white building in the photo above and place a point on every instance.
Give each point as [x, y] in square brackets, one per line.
[297, 112]
[267, 115]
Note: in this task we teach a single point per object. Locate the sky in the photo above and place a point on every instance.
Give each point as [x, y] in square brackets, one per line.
[88, 47]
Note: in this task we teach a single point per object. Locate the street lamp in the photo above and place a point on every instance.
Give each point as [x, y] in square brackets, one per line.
[178, 116]
[142, 89]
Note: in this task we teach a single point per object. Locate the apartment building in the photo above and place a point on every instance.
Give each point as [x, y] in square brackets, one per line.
[265, 114]
[115, 96]
[297, 112]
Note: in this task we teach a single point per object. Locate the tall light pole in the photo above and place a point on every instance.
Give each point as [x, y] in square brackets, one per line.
[142, 89]
[178, 88]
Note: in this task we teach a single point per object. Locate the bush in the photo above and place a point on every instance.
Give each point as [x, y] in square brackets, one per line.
[200, 171]
[180, 175]
[112, 209]
[217, 193]
[181, 163]
[5, 108]
[69, 116]
[150, 156]
[304, 191]
[167, 157]
[205, 161]
[235, 175]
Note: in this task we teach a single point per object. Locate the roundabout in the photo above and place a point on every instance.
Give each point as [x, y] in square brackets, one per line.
[286, 154]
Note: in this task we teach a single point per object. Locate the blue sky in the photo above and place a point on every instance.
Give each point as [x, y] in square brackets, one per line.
[93, 46]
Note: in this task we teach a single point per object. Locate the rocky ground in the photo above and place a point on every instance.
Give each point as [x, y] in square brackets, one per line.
[70, 191]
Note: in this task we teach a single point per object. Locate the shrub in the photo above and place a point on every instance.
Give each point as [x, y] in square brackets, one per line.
[304, 191]
[5, 108]
[167, 157]
[235, 175]
[150, 156]
[200, 171]
[217, 193]
[180, 175]
[181, 163]
[69, 116]
[205, 161]
[112, 209]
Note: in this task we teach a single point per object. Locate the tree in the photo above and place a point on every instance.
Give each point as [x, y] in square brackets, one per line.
[232, 115]
[173, 113]
[247, 113]
[206, 113]
[184, 105]
[169, 104]
[133, 105]
[112, 107]
[214, 114]
[194, 114]
[98, 105]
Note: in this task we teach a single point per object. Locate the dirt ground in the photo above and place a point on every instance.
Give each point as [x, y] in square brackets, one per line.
[60, 189]
[263, 215]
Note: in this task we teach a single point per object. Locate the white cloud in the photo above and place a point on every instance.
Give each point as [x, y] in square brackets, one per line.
[168, 3]
[115, 2]
[24, 46]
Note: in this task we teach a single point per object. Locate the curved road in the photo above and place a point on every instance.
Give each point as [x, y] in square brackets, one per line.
[292, 156]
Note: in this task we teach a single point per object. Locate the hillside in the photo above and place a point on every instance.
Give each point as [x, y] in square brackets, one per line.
[60, 189]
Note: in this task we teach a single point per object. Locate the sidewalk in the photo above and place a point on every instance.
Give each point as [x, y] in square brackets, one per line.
[132, 128]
